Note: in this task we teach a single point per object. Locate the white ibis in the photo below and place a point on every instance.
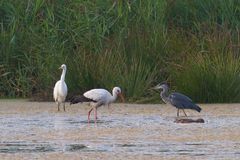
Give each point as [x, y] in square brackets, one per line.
[60, 89]
[98, 98]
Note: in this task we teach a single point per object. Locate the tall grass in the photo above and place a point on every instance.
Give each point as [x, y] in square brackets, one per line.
[210, 79]
[131, 44]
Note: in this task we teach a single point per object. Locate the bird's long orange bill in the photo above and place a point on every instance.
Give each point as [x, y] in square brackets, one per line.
[121, 96]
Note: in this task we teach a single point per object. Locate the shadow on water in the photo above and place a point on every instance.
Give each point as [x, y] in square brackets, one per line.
[24, 147]
[75, 147]
[145, 148]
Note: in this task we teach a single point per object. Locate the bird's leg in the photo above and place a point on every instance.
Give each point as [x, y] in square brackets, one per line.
[89, 112]
[58, 106]
[177, 112]
[184, 112]
[95, 113]
[64, 106]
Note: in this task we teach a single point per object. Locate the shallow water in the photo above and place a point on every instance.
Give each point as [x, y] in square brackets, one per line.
[130, 131]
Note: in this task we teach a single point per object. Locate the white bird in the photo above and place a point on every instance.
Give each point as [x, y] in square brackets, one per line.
[60, 89]
[98, 98]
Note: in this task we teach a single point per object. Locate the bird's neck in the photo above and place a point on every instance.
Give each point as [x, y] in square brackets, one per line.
[164, 95]
[114, 97]
[63, 75]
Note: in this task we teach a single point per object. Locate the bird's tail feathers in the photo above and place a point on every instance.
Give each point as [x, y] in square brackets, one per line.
[197, 108]
[77, 99]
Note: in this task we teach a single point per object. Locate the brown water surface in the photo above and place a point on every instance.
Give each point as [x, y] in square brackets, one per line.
[32, 130]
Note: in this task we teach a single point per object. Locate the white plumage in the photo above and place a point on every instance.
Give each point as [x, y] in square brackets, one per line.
[101, 95]
[97, 98]
[60, 89]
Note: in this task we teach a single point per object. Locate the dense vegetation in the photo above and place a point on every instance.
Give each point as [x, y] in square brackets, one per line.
[135, 44]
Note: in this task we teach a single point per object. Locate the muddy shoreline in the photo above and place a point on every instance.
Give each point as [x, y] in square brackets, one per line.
[36, 130]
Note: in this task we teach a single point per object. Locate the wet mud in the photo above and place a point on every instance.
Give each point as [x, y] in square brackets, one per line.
[32, 130]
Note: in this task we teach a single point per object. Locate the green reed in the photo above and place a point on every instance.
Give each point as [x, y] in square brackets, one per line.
[132, 44]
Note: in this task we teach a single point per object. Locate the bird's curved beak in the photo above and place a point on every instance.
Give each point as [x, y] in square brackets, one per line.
[121, 96]
[60, 68]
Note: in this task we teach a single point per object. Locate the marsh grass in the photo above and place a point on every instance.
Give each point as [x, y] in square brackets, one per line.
[132, 44]
[210, 79]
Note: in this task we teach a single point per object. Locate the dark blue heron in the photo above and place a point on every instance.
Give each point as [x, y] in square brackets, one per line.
[178, 100]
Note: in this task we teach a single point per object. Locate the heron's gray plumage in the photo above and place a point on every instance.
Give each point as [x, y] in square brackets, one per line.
[181, 101]
[176, 99]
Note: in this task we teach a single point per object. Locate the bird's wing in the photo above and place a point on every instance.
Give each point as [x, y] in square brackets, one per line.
[65, 89]
[180, 100]
[181, 96]
[96, 94]
[55, 90]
